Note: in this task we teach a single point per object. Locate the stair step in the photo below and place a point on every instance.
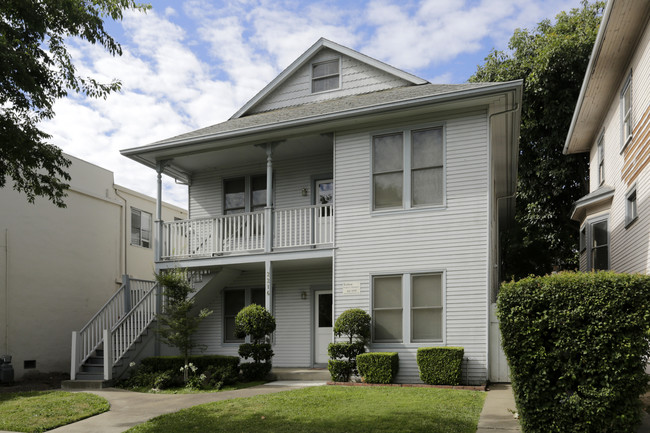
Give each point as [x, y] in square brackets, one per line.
[92, 368]
[96, 360]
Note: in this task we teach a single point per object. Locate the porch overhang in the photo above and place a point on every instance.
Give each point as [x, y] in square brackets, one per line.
[184, 154]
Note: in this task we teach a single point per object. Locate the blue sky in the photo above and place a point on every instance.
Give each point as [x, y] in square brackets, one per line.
[192, 63]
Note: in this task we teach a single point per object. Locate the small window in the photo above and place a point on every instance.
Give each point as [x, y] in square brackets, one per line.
[626, 111]
[233, 302]
[583, 238]
[601, 161]
[599, 246]
[630, 207]
[325, 76]
[387, 309]
[244, 194]
[140, 228]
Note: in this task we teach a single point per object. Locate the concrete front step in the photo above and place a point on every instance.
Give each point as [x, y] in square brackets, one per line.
[85, 384]
[301, 374]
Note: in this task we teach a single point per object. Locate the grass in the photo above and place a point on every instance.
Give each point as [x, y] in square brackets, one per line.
[183, 390]
[331, 409]
[38, 411]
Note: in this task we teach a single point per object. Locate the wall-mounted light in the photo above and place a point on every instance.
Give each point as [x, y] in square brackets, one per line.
[304, 192]
[303, 295]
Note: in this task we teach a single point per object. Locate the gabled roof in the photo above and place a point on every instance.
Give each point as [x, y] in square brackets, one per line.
[320, 111]
[622, 25]
[321, 44]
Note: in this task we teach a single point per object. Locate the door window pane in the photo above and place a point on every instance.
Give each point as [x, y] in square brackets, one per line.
[325, 310]
[234, 301]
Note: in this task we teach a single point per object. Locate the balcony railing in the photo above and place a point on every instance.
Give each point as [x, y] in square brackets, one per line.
[246, 233]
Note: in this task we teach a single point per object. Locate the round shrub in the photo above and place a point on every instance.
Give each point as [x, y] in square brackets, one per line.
[353, 323]
[256, 321]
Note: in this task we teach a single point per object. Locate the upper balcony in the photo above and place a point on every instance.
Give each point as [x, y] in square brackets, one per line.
[248, 233]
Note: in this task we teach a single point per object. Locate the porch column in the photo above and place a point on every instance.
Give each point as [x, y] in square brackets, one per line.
[268, 210]
[158, 222]
[268, 286]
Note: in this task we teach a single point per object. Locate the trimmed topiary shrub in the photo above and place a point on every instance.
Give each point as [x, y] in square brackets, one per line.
[440, 365]
[355, 325]
[255, 321]
[577, 345]
[378, 367]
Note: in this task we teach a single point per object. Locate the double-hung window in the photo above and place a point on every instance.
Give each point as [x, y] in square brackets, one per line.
[325, 76]
[601, 160]
[416, 297]
[233, 301]
[140, 228]
[598, 245]
[244, 194]
[408, 169]
[630, 206]
[626, 111]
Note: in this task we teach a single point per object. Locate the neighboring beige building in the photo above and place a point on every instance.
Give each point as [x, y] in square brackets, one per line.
[59, 266]
[612, 123]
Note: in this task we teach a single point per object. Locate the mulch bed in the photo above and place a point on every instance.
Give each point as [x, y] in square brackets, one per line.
[413, 385]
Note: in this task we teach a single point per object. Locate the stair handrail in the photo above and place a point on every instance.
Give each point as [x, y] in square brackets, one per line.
[129, 328]
[88, 339]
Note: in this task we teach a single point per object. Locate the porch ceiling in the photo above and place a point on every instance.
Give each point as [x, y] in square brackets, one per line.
[290, 148]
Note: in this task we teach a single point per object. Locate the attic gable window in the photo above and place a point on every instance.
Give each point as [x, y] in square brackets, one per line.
[325, 76]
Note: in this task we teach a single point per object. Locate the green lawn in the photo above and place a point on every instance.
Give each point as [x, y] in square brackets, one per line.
[332, 409]
[39, 411]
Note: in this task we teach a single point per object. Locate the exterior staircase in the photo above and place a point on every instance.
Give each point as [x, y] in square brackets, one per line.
[120, 331]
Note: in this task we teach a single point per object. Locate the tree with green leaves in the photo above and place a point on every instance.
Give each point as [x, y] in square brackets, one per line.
[552, 60]
[36, 69]
[177, 321]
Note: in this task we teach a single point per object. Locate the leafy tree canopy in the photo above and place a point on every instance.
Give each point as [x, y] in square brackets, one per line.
[552, 60]
[36, 69]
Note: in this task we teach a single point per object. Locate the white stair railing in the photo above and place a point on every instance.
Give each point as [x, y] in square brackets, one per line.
[130, 327]
[90, 337]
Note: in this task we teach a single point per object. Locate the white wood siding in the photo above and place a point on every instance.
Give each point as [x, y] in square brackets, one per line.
[293, 336]
[628, 246]
[453, 239]
[356, 78]
[289, 177]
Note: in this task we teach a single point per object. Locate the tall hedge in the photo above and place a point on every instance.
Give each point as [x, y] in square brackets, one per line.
[577, 345]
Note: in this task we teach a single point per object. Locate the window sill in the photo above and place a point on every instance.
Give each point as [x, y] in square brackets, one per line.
[627, 141]
[140, 246]
[411, 345]
[628, 224]
[404, 210]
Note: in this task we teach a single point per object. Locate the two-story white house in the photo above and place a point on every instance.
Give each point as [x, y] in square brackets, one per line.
[347, 183]
[612, 122]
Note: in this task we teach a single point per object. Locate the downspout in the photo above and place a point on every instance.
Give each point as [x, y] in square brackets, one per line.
[123, 246]
[6, 297]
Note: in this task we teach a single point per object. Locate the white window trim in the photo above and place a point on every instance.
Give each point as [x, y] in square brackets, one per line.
[151, 230]
[628, 85]
[311, 76]
[589, 224]
[600, 150]
[406, 169]
[629, 218]
[406, 310]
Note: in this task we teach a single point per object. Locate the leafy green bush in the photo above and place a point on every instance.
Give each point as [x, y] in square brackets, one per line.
[378, 367]
[258, 323]
[440, 365]
[339, 370]
[354, 324]
[577, 344]
[202, 362]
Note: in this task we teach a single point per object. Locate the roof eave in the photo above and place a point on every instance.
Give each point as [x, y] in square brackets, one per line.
[136, 152]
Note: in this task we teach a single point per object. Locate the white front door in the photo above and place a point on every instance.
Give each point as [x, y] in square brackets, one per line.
[323, 325]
